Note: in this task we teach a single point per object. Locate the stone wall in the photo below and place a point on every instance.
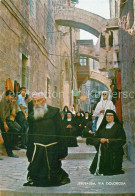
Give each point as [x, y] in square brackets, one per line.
[23, 34]
[29, 33]
[127, 66]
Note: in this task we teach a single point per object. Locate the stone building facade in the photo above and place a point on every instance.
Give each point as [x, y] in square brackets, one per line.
[127, 66]
[34, 50]
[113, 8]
[126, 47]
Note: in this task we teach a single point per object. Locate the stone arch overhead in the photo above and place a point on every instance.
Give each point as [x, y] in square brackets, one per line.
[79, 18]
[94, 75]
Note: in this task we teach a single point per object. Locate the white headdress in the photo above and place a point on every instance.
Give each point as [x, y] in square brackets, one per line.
[108, 95]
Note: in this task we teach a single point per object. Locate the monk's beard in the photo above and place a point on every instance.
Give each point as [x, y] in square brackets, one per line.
[40, 111]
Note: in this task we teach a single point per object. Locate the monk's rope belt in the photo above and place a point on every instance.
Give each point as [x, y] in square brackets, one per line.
[43, 145]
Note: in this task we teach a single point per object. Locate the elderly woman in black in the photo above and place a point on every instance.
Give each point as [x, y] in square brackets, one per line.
[109, 140]
[70, 130]
[79, 120]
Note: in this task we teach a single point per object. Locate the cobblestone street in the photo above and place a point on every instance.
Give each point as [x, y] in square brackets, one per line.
[14, 171]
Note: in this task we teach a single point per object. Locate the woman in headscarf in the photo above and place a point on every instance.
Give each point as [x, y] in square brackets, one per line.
[109, 140]
[104, 104]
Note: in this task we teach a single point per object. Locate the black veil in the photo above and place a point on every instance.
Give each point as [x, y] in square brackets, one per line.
[104, 122]
[69, 112]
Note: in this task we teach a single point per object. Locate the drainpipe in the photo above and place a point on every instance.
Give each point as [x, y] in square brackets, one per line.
[110, 8]
[72, 65]
[61, 73]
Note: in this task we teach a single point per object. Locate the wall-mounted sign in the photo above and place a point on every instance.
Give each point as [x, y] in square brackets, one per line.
[76, 93]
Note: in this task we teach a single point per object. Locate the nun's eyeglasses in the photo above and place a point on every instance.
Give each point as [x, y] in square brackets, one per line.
[104, 94]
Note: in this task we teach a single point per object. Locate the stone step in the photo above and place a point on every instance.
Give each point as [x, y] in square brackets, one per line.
[81, 152]
[23, 152]
[80, 155]
[71, 155]
[81, 140]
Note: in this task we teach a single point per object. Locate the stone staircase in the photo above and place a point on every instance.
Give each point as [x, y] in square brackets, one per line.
[81, 152]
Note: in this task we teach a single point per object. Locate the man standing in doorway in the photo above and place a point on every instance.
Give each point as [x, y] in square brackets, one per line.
[22, 116]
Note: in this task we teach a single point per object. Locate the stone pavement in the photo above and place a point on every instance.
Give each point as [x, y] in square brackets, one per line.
[13, 174]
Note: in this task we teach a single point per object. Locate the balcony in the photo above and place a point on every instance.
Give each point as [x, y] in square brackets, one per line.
[83, 74]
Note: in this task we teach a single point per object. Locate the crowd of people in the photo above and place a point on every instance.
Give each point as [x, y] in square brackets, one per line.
[74, 123]
[13, 120]
[46, 133]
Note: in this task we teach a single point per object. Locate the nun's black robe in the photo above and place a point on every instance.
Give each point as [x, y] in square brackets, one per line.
[86, 121]
[110, 161]
[46, 145]
[71, 133]
[86, 134]
[78, 121]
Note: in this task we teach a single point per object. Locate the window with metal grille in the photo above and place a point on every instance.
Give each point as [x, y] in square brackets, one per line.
[83, 61]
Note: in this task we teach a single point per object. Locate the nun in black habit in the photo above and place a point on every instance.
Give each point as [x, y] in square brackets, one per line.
[109, 140]
[87, 118]
[79, 121]
[89, 131]
[66, 109]
[70, 130]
